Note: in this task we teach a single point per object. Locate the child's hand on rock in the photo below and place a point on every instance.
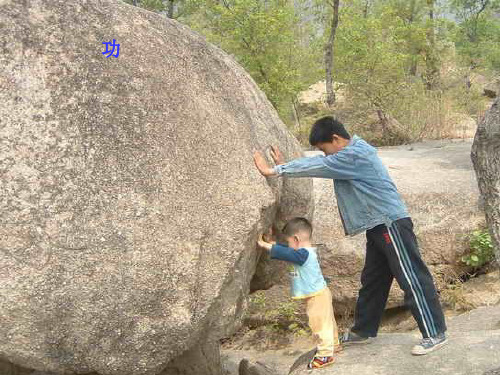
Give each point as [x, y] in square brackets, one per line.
[264, 244]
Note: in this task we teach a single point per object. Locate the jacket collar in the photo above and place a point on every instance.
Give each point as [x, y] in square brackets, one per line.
[354, 139]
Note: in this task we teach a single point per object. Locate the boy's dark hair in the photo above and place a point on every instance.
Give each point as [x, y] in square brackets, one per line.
[325, 128]
[296, 225]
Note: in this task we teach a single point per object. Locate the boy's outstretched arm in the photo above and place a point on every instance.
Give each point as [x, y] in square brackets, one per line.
[285, 253]
[338, 166]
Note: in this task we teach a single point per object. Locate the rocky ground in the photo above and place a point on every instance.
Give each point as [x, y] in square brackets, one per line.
[474, 344]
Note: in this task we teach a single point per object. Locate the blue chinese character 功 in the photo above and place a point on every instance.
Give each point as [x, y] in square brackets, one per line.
[109, 51]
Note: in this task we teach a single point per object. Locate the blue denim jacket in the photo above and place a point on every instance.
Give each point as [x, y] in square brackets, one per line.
[366, 195]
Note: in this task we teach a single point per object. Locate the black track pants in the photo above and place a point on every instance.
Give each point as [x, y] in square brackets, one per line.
[392, 252]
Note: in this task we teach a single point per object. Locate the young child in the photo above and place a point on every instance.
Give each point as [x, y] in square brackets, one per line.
[369, 201]
[308, 284]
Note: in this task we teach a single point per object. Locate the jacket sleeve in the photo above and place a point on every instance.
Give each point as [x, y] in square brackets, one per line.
[289, 254]
[339, 166]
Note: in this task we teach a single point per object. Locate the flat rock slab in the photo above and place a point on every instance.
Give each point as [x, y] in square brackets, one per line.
[466, 354]
[484, 318]
[474, 344]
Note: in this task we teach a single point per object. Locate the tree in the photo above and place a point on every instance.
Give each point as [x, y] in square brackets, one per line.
[477, 36]
[408, 28]
[170, 8]
[431, 76]
[262, 36]
[486, 159]
[372, 60]
[329, 52]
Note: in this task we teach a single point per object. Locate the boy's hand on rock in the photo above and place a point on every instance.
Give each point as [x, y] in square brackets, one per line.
[268, 237]
[261, 164]
[277, 155]
[264, 244]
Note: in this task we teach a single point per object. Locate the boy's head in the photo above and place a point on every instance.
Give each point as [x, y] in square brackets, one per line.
[298, 232]
[329, 135]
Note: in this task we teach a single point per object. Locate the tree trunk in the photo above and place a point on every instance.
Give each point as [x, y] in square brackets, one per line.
[414, 52]
[170, 9]
[414, 66]
[329, 54]
[486, 159]
[135, 2]
[296, 115]
[468, 83]
[366, 9]
[432, 76]
[384, 122]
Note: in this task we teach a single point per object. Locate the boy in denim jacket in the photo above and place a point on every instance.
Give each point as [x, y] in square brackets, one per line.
[368, 201]
[308, 284]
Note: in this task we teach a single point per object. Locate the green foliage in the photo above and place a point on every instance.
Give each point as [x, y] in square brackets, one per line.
[477, 33]
[258, 300]
[385, 57]
[286, 318]
[287, 310]
[381, 58]
[263, 37]
[369, 62]
[481, 249]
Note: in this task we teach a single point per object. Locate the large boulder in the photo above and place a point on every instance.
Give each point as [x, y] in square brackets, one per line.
[485, 156]
[437, 182]
[130, 203]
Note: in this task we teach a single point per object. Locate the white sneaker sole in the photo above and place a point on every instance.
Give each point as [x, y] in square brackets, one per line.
[418, 350]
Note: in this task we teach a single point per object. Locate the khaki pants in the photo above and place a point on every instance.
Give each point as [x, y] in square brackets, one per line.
[322, 322]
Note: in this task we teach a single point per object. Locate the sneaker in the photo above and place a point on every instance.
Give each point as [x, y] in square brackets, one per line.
[430, 344]
[320, 362]
[353, 338]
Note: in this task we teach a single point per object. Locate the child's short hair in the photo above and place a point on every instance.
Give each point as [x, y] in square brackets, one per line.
[325, 128]
[296, 225]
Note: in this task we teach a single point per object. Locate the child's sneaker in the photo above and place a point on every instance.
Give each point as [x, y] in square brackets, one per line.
[353, 338]
[430, 344]
[320, 362]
